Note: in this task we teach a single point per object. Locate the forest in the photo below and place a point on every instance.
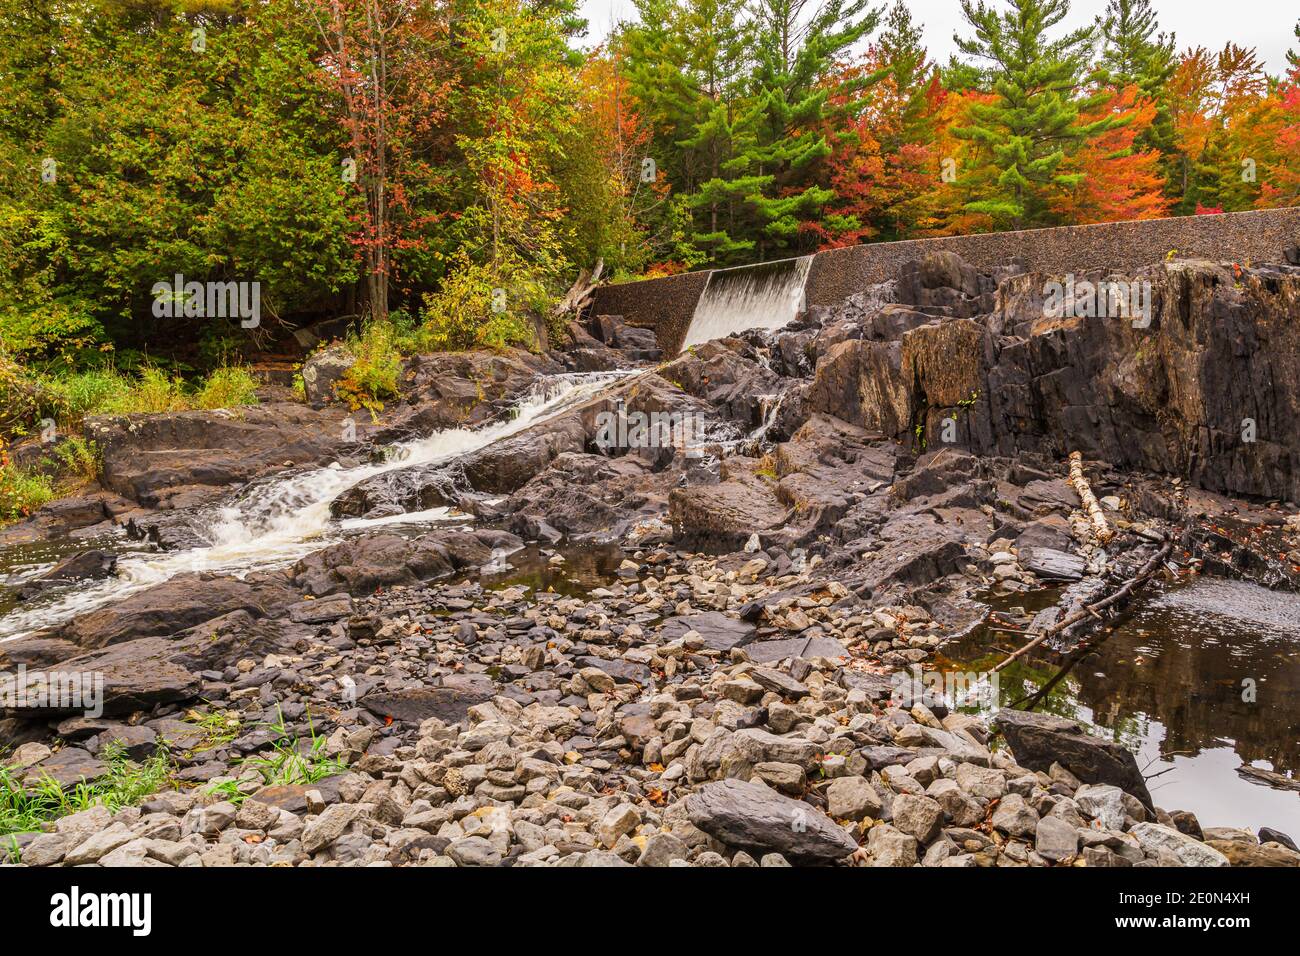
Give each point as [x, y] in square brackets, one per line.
[441, 169]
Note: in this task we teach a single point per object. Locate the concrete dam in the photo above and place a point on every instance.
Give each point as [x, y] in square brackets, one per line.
[694, 307]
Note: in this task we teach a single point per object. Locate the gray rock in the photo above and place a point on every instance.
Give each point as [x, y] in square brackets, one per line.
[1055, 839]
[1158, 840]
[755, 818]
[852, 798]
[917, 816]
[661, 849]
[889, 846]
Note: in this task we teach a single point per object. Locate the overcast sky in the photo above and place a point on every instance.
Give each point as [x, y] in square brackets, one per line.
[1266, 25]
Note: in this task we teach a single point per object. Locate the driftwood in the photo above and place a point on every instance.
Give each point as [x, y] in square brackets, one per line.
[582, 291]
[1101, 529]
[1091, 610]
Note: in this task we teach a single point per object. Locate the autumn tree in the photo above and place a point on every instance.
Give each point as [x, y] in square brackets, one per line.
[385, 59]
[1037, 114]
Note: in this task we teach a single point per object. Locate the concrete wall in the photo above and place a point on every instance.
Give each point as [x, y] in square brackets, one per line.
[666, 305]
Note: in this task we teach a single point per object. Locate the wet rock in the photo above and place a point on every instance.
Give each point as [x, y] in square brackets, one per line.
[362, 565]
[82, 566]
[166, 609]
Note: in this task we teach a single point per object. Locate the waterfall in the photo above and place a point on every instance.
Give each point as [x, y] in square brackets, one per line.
[274, 523]
[764, 296]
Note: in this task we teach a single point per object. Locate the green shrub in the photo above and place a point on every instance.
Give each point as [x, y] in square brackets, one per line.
[22, 490]
[227, 387]
[461, 314]
[376, 368]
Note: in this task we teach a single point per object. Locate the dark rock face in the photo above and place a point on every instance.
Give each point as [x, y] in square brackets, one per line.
[757, 819]
[186, 458]
[1039, 740]
[1177, 396]
[135, 676]
[455, 389]
[173, 606]
[723, 516]
[361, 565]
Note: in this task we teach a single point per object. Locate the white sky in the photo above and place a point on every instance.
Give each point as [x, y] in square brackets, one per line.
[1266, 25]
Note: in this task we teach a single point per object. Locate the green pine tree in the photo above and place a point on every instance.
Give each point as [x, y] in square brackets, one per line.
[1021, 138]
[687, 62]
[798, 46]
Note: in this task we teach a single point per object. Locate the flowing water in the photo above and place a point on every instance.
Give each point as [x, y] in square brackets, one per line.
[1198, 680]
[768, 295]
[275, 522]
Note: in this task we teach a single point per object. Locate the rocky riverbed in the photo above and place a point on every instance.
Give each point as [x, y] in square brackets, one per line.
[518, 644]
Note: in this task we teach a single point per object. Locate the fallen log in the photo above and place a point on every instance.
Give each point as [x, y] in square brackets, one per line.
[1091, 610]
[1101, 528]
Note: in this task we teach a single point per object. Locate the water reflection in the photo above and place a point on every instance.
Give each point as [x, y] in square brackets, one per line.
[1197, 680]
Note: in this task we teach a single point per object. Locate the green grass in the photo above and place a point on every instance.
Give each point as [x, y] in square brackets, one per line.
[22, 490]
[25, 808]
[288, 763]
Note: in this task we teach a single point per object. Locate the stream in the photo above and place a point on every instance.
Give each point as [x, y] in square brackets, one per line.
[1173, 683]
[270, 523]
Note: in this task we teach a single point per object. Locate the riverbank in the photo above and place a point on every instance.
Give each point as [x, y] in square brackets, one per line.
[477, 631]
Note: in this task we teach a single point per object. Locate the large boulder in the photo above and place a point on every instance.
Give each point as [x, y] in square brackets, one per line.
[1040, 740]
[186, 458]
[362, 565]
[323, 371]
[757, 819]
[166, 609]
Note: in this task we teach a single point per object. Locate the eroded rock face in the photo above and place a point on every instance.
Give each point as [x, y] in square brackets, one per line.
[1219, 357]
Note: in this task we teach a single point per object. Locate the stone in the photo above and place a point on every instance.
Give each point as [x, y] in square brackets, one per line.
[323, 830]
[1055, 839]
[661, 849]
[917, 816]
[1039, 740]
[99, 845]
[889, 846]
[852, 798]
[1015, 817]
[622, 819]
[1103, 803]
[1156, 840]
[474, 851]
[757, 819]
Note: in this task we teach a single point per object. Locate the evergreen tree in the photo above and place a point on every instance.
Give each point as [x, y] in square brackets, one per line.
[687, 63]
[1022, 135]
[798, 47]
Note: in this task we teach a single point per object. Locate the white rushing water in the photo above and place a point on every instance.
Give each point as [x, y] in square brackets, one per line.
[275, 523]
[764, 296]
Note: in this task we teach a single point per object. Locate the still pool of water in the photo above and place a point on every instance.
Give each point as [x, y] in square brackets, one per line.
[1173, 683]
